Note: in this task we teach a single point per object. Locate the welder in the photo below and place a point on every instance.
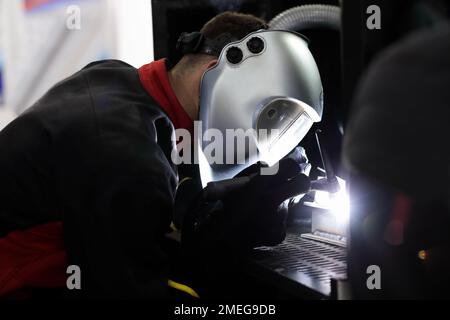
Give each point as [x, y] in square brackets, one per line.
[87, 177]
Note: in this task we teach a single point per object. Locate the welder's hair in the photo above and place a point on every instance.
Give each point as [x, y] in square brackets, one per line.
[236, 24]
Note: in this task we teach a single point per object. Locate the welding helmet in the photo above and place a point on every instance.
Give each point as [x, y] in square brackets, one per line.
[257, 103]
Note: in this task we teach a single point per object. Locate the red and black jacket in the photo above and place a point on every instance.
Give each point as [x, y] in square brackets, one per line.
[86, 179]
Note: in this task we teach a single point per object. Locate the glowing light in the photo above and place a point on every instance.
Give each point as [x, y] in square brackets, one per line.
[337, 204]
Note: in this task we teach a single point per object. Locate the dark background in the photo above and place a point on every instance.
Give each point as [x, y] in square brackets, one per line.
[172, 17]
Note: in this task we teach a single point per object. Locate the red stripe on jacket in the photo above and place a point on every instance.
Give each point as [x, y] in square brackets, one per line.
[33, 258]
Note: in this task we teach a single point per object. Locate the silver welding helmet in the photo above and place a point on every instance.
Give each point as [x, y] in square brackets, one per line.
[257, 103]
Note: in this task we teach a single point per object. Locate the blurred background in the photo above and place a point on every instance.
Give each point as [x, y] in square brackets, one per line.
[44, 41]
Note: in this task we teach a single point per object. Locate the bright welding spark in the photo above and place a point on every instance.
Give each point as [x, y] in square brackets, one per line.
[338, 204]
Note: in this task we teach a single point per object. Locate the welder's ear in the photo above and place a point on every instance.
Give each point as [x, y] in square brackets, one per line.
[211, 64]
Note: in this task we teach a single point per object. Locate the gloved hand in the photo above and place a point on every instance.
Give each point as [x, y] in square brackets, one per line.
[216, 230]
[248, 216]
[299, 156]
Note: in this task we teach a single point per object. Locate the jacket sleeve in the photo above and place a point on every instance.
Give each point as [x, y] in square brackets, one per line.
[114, 232]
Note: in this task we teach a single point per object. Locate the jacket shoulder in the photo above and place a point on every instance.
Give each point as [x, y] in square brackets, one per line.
[109, 63]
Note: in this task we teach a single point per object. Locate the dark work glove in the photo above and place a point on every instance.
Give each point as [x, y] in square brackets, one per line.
[247, 216]
[299, 156]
